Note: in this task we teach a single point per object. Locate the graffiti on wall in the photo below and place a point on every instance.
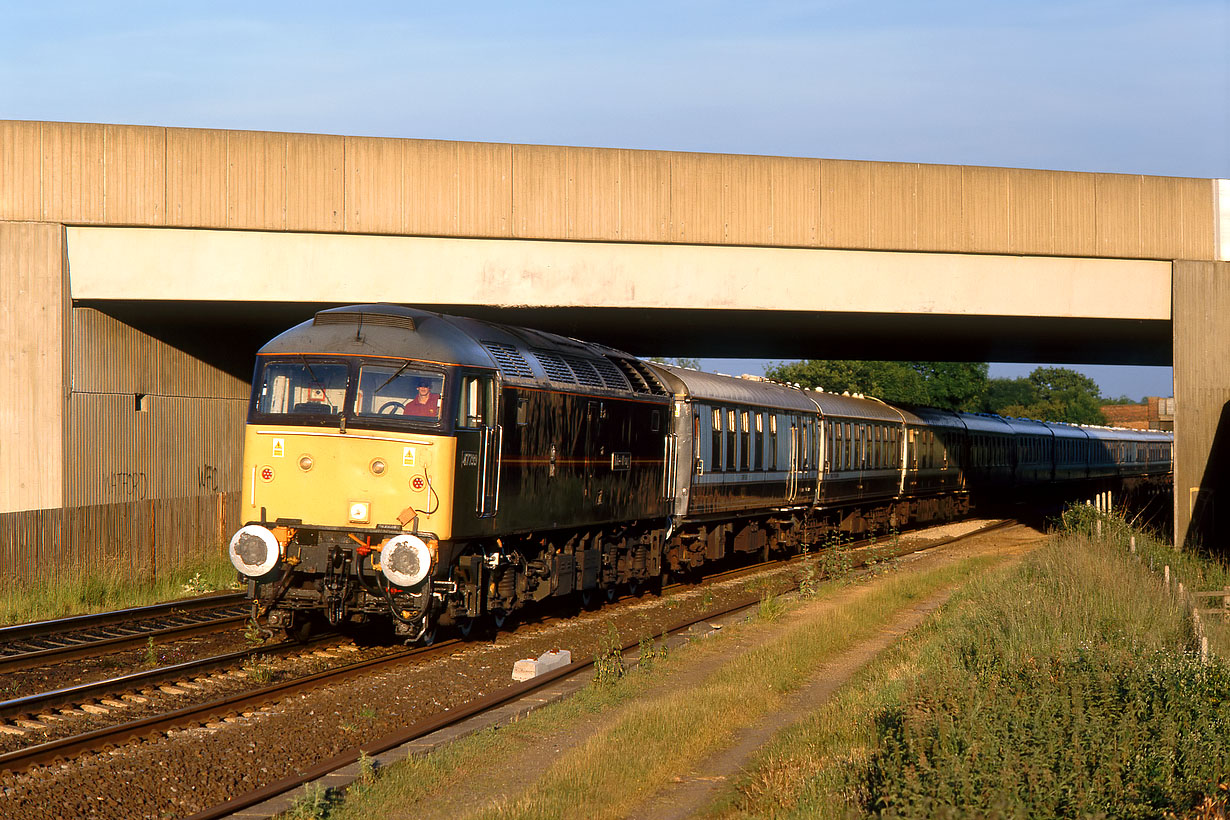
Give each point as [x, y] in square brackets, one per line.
[126, 487]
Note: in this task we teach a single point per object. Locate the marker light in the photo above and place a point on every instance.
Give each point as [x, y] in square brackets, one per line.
[305, 462]
[360, 512]
[378, 466]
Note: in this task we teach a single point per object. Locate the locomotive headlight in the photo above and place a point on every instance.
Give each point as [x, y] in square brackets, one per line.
[378, 466]
[360, 512]
[254, 551]
[305, 462]
[405, 560]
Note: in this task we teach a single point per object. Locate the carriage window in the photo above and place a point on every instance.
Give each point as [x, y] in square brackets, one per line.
[399, 391]
[731, 441]
[716, 456]
[773, 442]
[745, 440]
[760, 441]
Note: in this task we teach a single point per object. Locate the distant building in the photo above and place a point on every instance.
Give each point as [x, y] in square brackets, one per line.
[1156, 413]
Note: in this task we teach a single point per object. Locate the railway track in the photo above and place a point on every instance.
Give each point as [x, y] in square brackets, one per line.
[861, 553]
[23, 646]
[225, 707]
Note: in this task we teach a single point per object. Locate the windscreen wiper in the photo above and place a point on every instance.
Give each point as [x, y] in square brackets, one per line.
[390, 378]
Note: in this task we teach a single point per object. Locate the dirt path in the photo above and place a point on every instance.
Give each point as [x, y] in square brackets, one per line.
[503, 783]
[693, 791]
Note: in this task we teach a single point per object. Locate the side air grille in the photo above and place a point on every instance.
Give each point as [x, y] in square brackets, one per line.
[585, 372]
[344, 317]
[509, 360]
[557, 369]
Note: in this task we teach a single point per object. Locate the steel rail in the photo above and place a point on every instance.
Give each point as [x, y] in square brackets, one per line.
[88, 648]
[31, 704]
[459, 714]
[39, 629]
[198, 713]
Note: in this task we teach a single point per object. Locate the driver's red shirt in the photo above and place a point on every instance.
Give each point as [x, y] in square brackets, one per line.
[427, 409]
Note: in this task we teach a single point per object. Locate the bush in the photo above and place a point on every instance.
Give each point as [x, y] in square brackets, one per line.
[1098, 733]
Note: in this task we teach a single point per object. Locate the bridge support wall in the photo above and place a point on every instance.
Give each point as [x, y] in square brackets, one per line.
[33, 377]
[1201, 324]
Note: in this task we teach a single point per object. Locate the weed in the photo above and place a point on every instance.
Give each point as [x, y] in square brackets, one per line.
[651, 654]
[313, 804]
[836, 561]
[151, 653]
[771, 606]
[367, 768]
[253, 633]
[609, 660]
[259, 669]
[809, 584]
[197, 585]
[368, 713]
[706, 600]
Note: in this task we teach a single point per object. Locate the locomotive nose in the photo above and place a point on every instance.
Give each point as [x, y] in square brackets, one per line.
[254, 551]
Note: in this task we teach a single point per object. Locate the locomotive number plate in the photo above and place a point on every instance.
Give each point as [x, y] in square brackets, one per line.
[621, 461]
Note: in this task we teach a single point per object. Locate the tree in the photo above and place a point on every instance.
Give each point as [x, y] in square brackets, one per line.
[950, 385]
[954, 385]
[1053, 394]
[1003, 393]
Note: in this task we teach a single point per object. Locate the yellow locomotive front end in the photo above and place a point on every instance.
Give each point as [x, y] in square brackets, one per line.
[347, 488]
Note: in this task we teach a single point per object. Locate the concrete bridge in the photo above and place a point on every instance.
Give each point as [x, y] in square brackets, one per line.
[141, 266]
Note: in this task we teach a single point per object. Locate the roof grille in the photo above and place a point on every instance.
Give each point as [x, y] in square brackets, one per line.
[509, 360]
[348, 317]
[585, 372]
[557, 369]
[612, 375]
[642, 378]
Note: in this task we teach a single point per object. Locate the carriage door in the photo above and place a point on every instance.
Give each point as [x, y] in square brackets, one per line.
[792, 476]
[479, 433]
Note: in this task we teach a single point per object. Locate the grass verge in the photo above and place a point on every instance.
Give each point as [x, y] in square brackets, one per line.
[110, 589]
[1059, 688]
[643, 730]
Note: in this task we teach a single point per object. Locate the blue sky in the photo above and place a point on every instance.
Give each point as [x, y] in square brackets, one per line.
[1089, 85]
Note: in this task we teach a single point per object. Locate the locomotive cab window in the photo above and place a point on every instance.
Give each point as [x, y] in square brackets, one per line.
[398, 390]
[302, 387]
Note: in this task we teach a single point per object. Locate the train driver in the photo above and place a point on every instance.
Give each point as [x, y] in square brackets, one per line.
[424, 403]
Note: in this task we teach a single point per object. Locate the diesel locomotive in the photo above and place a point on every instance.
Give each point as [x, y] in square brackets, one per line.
[424, 469]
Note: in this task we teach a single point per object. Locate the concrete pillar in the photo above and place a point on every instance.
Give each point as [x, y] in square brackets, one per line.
[33, 379]
[1201, 322]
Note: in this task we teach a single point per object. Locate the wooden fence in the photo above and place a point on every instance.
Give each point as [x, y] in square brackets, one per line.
[142, 538]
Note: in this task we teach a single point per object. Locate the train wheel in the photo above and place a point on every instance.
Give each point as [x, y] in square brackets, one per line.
[499, 618]
[465, 626]
[587, 598]
[429, 636]
[611, 593]
[635, 587]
